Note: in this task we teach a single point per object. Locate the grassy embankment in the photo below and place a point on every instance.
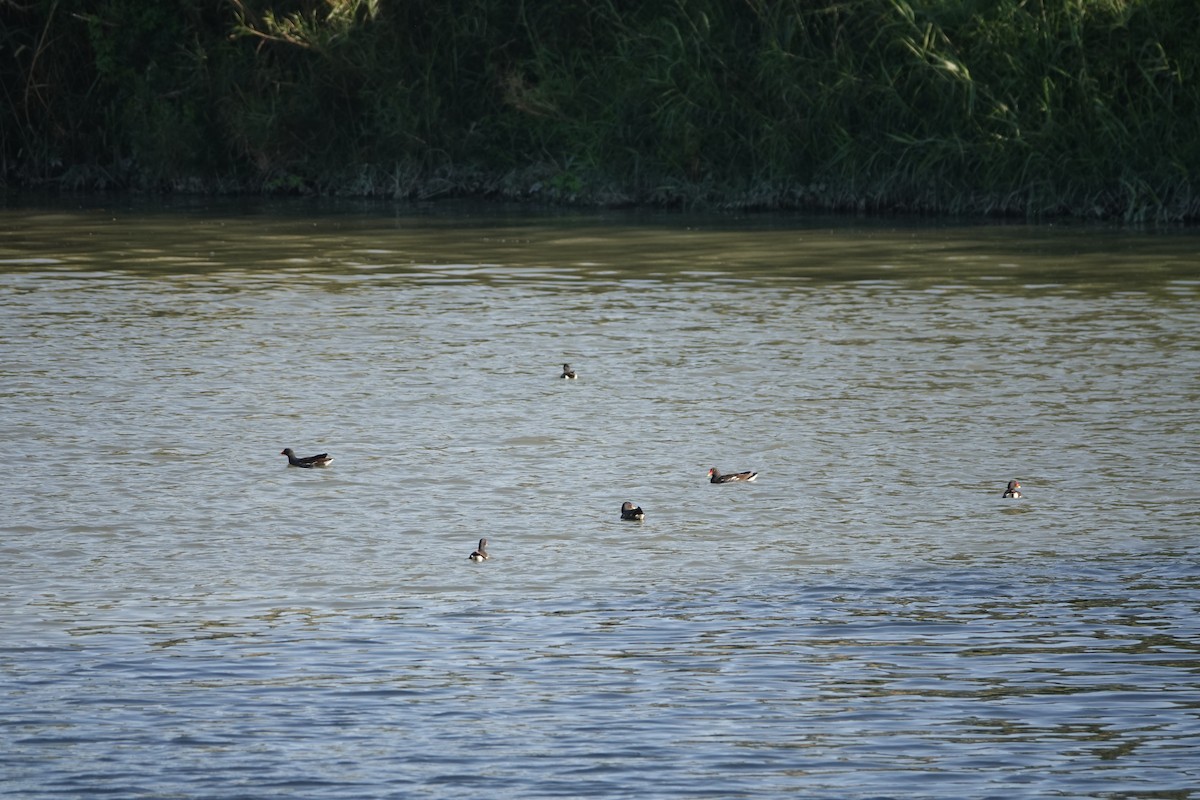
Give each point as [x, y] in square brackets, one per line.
[1019, 107]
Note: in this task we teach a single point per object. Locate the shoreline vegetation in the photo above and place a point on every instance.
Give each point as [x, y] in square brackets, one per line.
[1028, 109]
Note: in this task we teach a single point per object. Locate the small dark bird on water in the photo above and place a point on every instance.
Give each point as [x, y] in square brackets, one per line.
[307, 462]
[630, 511]
[714, 476]
[481, 553]
[1011, 491]
[568, 373]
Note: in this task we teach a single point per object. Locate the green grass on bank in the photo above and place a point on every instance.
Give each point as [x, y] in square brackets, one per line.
[1059, 107]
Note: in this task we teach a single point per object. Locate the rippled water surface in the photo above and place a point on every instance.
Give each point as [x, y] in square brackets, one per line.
[184, 616]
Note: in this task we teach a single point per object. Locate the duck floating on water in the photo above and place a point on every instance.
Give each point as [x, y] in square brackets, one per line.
[715, 476]
[568, 373]
[1011, 491]
[630, 511]
[307, 462]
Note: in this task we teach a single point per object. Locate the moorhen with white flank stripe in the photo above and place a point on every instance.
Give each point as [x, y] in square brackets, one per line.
[568, 373]
[307, 462]
[714, 476]
[1011, 491]
[630, 511]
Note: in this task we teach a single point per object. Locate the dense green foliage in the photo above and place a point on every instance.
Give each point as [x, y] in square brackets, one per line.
[1031, 107]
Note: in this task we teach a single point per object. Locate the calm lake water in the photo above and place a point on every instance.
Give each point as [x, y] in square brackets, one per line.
[184, 616]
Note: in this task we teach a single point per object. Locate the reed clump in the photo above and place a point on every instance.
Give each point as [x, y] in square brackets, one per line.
[1031, 108]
